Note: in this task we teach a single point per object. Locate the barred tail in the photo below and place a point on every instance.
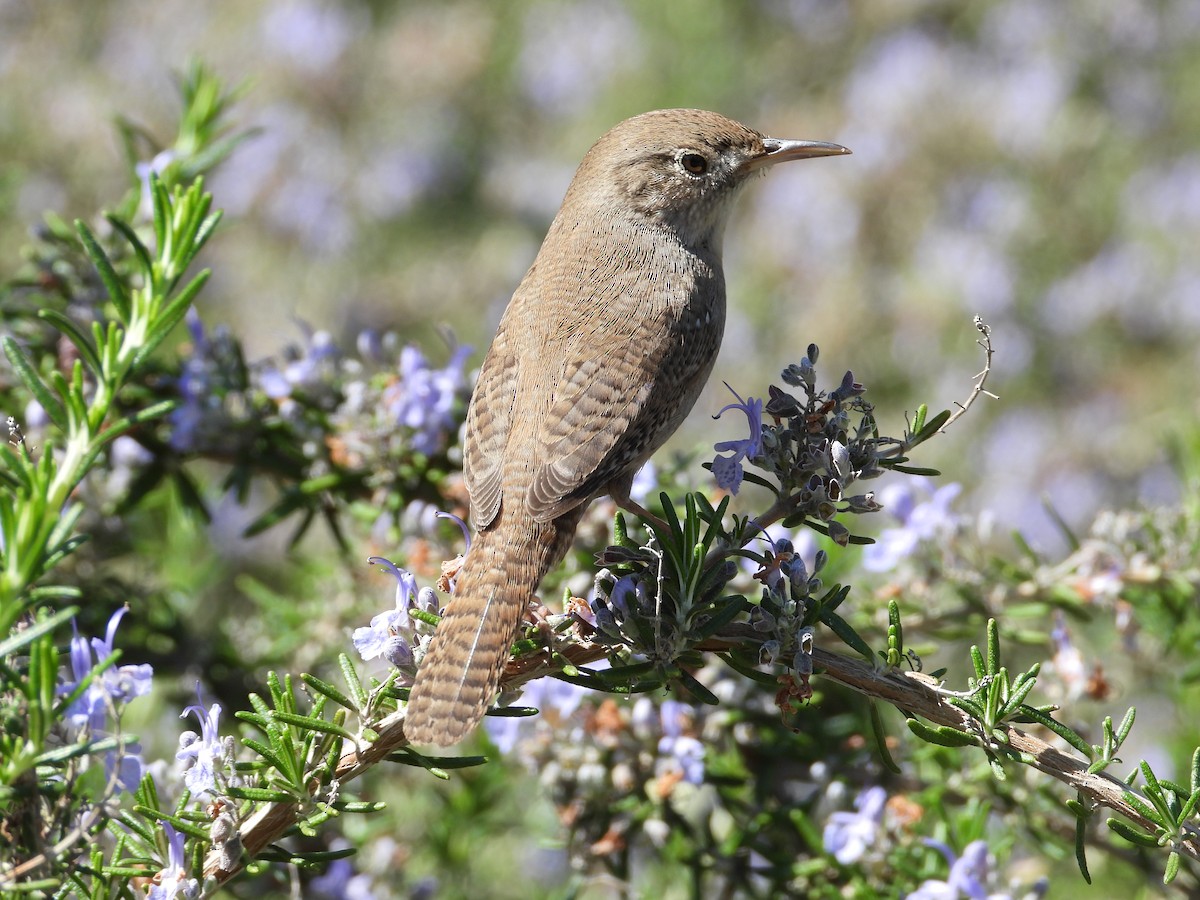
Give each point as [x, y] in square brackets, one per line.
[460, 674]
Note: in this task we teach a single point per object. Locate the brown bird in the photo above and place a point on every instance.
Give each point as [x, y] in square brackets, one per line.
[600, 355]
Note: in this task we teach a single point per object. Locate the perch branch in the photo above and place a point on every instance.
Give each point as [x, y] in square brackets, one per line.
[911, 692]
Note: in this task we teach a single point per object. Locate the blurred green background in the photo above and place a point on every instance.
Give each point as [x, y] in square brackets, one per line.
[1033, 162]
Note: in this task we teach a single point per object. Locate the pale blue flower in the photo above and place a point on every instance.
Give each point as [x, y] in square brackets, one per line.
[173, 881]
[106, 693]
[677, 748]
[423, 398]
[919, 521]
[727, 470]
[392, 634]
[204, 754]
[202, 385]
[116, 685]
[848, 836]
[556, 701]
[307, 367]
[341, 882]
[130, 767]
[968, 876]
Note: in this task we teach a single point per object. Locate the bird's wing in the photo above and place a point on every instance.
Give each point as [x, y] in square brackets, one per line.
[584, 432]
[614, 406]
[617, 360]
[488, 420]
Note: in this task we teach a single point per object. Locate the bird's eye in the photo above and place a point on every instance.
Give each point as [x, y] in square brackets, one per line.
[693, 163]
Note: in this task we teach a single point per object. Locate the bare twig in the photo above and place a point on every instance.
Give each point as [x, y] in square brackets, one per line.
[919, 694]
[785, 505]
[16, 437]
[985, 341]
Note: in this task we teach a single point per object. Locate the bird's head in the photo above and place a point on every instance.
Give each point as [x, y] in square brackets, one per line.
[680, 169]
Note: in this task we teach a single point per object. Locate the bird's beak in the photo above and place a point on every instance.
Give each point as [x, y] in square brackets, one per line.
[777, 151]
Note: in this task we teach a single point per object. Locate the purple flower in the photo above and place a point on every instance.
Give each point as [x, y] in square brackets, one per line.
[918, 522]
[423, 398]
[90, 707]
[801, 542]
[678, 750]
[555, 699]
[308, 367]
[207, 378]
[459, 522]
[626, 594]
[195, 377]
[123, 683]
[848, 835]
[504, 731]
[968, 875]
[173, 881]
[340, 881]
[204, 754]
[727, 470]
[274, 384]
[129, 765]
[392, 634]
[369, 344]
[116, 685]
[159, 164]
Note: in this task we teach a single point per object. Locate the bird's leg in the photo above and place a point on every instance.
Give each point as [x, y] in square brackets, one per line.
[632, 506]
[619, 491]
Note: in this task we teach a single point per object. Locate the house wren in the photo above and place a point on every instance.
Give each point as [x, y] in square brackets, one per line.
[599, 356]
